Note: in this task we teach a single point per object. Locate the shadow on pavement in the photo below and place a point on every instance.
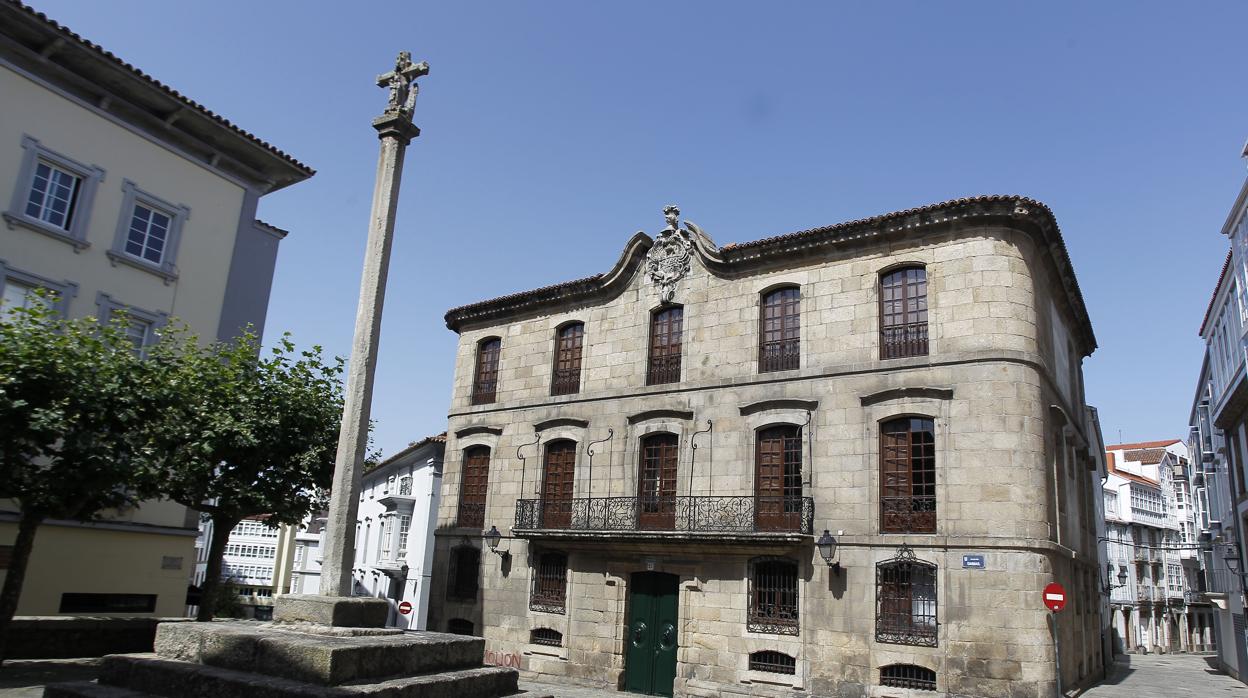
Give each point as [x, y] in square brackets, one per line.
[27, 677]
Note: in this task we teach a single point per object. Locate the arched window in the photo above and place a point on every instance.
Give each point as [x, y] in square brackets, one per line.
[546, 636]
[566, 378]
[905, 592]
[908, 676]
[903, 313]
[558, 484]
[665, 345]
[472, 489]
[462, 579]
[656, 482]
[485, 380]
[550, 583]
[780, 330]
[772, 661]
[908, 476]
[773, 596]
[778, 479]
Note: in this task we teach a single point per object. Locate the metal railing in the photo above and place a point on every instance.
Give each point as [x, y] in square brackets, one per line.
[567, 381]
[913, 514]
[711, 514]
[471, 515]
[903, 340]
[780, 355]
[663, 369]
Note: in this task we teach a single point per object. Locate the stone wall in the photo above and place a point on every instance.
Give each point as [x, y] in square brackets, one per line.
[1006, 456]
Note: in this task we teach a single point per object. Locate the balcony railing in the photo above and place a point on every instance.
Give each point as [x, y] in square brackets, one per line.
[566, 381]
[731, 514]
[903, 340]
[914, 514]
[471, 515]
[663, 369]
[781, 355]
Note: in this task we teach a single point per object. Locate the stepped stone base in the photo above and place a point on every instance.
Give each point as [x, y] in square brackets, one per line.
[356, 611]
[275, 660]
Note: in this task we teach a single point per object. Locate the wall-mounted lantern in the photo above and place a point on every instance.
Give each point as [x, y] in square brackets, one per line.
[492, 537]
[827, 550]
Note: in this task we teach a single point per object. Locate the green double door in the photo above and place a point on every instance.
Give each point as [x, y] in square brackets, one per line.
[650, 662]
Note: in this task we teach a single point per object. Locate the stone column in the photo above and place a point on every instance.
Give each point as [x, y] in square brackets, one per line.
[395, 129]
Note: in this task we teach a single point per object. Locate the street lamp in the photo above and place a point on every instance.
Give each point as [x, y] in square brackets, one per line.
[1109, 583]
[827, 549]
[1231, 558]
[492, 537]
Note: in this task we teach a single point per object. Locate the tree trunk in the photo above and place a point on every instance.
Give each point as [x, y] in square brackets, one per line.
[221, 527]
[16, 574]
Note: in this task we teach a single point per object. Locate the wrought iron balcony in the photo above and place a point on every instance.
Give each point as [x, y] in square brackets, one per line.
[903, 340]
[709, 514]
[471, 515]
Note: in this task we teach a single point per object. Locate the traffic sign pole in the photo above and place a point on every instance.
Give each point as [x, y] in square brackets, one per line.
[1055, 600]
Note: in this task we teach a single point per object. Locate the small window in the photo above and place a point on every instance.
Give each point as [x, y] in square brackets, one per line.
[107, 603]
[485, 380]
[908, 676]
[773, 662]
[149, 232]
[19, 289]
[53, 195]
[567, 370]
[665, 346]
[773, 596]
[462, 578]
[546, 636]
[780, 330]
[903, 313]
[550, 583]
[459, 626]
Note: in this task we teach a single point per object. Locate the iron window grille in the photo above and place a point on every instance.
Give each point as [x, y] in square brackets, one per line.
[905, 591]
[903, 313]
[459, 626]
[546, 636]
[779, 332]
[773, 662]
[569, 344]
[472, 490]
[773, 596]
[464, 573]
[908, 676]
[665, 346]
[550, 583]
[485, 380]
[908, 476]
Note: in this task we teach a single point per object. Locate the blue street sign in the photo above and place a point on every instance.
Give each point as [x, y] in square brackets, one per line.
[973, 562]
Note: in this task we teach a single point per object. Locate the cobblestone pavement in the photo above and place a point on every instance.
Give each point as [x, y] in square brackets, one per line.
[1167, 676]
[559, 690]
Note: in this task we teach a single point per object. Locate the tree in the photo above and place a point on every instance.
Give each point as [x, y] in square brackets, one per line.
[242, 434]
[71, 393]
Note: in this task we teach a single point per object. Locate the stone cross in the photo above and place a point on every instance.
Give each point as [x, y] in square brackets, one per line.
[395, 129]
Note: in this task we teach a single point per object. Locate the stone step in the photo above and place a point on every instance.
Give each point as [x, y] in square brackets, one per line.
[312, 656]
[89, 689]
[169, 678]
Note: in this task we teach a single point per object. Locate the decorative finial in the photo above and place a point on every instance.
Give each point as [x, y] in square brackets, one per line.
[401, 83]
[671, 213]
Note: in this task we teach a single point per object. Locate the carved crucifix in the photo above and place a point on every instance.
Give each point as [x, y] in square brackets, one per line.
[401, 83]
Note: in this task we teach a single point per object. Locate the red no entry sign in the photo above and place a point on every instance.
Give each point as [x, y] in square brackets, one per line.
[1054, 597]
[405, 607]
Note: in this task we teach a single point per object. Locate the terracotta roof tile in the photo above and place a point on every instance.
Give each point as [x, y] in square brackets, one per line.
[1142, 444]
[187, 101]
[1147, 456]
[1226, 266]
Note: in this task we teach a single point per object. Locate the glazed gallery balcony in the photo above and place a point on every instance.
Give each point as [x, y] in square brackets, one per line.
[715, 518]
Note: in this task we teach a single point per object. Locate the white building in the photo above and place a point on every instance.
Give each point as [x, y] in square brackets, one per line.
[1151, 555]
[249, 562]
[393, 555]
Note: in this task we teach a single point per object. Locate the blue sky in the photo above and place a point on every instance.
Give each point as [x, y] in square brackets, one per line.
[552, 131]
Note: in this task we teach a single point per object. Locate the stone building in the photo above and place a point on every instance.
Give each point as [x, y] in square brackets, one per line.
[840, 461]
[120, 193]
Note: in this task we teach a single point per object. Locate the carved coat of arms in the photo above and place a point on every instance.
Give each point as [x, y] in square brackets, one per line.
[667, 262]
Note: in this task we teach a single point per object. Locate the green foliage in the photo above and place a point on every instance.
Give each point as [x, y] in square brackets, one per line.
[225, 602]
[72, 393]
[241, 434]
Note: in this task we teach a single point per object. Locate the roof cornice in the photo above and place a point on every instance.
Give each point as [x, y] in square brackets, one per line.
[88, 71]
[1018, 212]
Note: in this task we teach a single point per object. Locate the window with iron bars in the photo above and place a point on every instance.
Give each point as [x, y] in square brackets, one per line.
[780, 330]
[773, 662]
[773, 596]
[908, 676]
[569, 343]
[903, 313]
[905, 591]
[546, 636]
[462, 577]
[550, 583]
[665, 346]
[485, 379]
